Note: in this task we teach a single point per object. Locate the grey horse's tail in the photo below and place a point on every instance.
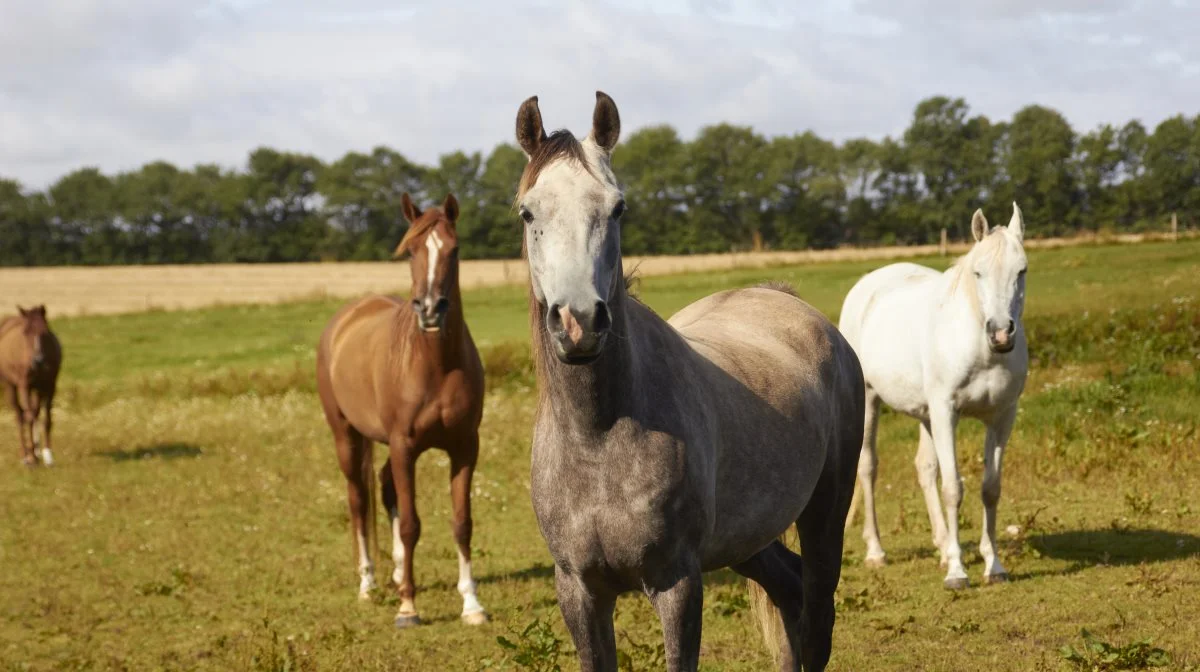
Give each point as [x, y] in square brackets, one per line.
[854, 502]
[770, 621]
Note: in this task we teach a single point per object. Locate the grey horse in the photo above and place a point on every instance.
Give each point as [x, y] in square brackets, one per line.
[664, 449]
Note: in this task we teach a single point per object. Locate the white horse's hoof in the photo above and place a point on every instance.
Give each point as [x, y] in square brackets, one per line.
[956, 584]
[475, 618]
[875, 563]
[364, 596]
[995, 578]
[407, 621]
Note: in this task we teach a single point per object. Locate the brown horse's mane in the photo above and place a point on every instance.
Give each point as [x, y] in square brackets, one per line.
[428, 219]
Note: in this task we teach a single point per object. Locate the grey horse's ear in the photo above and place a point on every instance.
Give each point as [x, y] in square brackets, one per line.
[531, 132]
[1016, 225]
[606, 122]
[979, 225]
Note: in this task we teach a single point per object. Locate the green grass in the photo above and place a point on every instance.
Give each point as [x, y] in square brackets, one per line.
[197, 519]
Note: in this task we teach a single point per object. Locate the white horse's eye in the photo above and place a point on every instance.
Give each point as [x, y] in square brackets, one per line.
[527, 216]
[978, 275]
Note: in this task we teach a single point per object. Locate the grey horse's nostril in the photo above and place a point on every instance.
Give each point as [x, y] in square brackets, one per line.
[602, 321]
[1012, 327]
[554, 319]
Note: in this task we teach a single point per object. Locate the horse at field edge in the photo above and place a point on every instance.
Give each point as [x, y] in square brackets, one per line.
[30, 357]
[407, 374]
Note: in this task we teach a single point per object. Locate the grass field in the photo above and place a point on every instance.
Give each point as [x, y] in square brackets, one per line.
[196, 518]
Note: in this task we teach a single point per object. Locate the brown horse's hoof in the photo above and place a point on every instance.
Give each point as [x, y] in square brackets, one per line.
[407, 621]
[995, 578]
[875, 563]
[475, 618]
[956, 584]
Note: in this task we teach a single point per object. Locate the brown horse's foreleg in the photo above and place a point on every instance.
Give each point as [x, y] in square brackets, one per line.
[406, 525]
[47, 425]
[462, 468]
[352, 450]
[26, 414]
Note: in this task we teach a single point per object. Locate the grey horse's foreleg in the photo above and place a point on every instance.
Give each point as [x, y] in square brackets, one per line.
[679, 601]
[589, 618]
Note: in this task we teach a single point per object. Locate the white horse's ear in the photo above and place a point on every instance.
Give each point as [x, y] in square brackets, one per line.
[606, 122]
[1016, 225]
[979, 225]
[530, 130]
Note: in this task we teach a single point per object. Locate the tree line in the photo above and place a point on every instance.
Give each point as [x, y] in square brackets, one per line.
[728, 189]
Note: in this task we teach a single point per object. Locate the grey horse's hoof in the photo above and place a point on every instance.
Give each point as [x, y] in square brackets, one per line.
[875, 563]
[995, 578]
[407, 621]
[475, 618]
[956, 584]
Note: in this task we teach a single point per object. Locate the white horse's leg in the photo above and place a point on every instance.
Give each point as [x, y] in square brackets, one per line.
[927, 474]
[943, 420]
[868, 463]
[998, 432]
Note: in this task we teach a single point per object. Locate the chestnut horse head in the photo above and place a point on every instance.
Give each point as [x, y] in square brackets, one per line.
[432, 243]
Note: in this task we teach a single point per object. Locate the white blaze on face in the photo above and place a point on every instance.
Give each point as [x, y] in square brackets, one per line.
[433, 244]
[466, 587]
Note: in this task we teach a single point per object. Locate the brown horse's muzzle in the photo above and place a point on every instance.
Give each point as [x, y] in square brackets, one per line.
[578, 335]
[431, 314]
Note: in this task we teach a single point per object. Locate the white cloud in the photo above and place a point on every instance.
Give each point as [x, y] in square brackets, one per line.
[117, 83]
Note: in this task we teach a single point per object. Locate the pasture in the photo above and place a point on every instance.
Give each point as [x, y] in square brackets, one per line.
[196, 518]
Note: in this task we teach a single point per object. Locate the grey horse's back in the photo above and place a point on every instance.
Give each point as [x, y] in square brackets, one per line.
[786, 390]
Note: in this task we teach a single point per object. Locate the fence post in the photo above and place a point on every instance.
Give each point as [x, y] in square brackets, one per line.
[943, 246]
[1174, 227]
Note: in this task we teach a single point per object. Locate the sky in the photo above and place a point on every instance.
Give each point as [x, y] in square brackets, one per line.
[118, 83]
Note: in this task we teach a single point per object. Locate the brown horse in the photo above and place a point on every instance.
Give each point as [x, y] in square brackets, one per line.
[30, 357]
[407, 374]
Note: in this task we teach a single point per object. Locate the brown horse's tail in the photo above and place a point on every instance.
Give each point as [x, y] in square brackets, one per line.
[770, 621]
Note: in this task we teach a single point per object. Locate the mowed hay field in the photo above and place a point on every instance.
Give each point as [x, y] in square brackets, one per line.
[196, 518]
[99, 290]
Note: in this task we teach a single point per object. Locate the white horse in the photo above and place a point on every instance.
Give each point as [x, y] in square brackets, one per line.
[937, 346]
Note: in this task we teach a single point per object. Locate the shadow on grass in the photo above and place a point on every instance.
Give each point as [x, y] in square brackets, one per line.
[166, 451]
[1125, 546]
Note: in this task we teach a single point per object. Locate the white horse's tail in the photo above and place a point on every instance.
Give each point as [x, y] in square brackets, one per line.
[854, 502]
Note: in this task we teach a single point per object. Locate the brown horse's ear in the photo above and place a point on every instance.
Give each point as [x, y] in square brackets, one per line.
[450, 207]
[411, 212]
[22, 311]
[41, 309]
[530, 130]
[606, 122]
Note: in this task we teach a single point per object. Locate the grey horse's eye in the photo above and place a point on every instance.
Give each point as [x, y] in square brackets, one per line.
[527, 216]
[618, 209]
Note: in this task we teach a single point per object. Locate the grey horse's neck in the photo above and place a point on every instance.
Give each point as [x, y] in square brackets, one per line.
[588, 399]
